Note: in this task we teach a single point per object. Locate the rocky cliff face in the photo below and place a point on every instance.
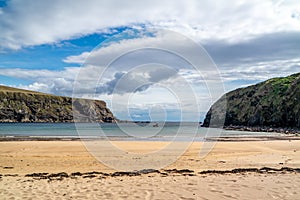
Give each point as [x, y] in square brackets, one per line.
[27, 106]
[273, 103]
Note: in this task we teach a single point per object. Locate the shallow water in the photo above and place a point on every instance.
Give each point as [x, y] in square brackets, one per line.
[126, 131]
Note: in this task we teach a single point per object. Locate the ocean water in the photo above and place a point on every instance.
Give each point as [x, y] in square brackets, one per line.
[122, 131]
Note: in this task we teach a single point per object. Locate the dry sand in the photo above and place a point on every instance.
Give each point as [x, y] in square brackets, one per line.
[18, 158]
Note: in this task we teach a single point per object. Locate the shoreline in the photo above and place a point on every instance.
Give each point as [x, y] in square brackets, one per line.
[161, 139]
[269, 129]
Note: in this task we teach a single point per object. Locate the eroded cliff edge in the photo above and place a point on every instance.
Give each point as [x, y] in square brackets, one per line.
[272, 103]
[18, 105]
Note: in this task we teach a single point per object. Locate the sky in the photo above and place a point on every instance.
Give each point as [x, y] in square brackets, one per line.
[149, 60]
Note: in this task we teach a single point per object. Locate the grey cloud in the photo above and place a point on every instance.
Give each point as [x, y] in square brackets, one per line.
[142, 55]
[137, 80]
[122, 83]
[31, 22]
[266, 48]
[161, 74]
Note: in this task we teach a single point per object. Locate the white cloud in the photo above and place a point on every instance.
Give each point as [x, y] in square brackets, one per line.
[48, 81]
[61, 82]
[77, 59]
[229, 23]
[36, 86]
[157, 97]
[124, 75]
[27, 23]
[261, 70]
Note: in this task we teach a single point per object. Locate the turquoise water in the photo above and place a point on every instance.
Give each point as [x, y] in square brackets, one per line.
[126, 131]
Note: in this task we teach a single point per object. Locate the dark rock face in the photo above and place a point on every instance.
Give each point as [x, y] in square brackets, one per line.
[272, 103]
[27, 106]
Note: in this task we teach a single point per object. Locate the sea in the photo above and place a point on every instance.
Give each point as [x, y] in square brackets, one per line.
[160, 131]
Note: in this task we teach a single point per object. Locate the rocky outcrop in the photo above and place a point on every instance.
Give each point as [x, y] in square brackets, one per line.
[18, 105]
[272, 103]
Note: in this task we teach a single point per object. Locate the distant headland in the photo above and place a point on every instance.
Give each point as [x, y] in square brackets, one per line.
[19, 105]
[270, 105]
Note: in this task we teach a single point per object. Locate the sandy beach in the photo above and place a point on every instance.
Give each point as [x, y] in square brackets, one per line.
[66, 170]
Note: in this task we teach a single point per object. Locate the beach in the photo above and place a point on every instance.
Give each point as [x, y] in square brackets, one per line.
[264, 169]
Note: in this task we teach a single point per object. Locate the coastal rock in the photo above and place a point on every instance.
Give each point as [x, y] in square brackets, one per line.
[18, 105]
[270, 104]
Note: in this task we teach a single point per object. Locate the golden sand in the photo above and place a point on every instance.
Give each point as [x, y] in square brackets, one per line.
[25, 157]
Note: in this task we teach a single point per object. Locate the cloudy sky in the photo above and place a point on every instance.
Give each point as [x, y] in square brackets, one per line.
[147, 59]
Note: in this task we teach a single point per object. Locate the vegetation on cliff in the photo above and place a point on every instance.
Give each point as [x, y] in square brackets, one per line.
[17, 105]
[272, 103]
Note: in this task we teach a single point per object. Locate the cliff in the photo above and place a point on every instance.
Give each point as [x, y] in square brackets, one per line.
[272, 103]
[18, 105]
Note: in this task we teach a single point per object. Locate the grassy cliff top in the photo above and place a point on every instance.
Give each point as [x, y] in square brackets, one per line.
[11, 89]
[274, 102]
